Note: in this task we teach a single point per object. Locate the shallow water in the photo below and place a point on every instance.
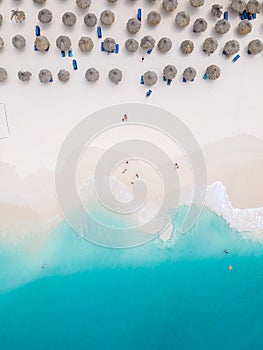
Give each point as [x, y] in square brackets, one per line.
[179, 295]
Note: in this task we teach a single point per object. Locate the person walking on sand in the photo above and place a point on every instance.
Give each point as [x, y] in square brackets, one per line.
[177, 165]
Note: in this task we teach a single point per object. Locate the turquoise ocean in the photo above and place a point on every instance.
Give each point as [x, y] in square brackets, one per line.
[176, 295]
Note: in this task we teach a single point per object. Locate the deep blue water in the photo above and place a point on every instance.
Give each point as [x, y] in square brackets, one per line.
[177, 296]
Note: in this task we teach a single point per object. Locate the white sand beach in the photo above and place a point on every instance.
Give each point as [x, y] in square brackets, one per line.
[224, 115]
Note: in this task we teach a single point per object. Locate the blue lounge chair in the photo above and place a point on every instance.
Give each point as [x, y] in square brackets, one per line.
[139, 14]
[99, 32]
[148, 93]
[75, 65]
[37, 31]
[237, 57]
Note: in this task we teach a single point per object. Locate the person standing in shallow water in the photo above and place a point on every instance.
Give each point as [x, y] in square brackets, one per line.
[125, 118]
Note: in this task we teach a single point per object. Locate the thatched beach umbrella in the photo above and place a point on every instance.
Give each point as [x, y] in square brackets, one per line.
[169, 72]
[63, 75]
[189, 74]
[83, 4]
[153, 18]
[18, 41]
[217, 10]
[147, 42]
[42, 43]
[197, 3]
[3, 74]
[45, 16]
[63, 43]
[69, 19]
[213, 72]
[131, 45]
[85, 44]
[45, 76]
[150, 78]
[133, 25]
[92, 75]
[2, 43]
[170, 5]
[182, 19]
[187, 47]
[210, 45]
[165, 45]
[109, 44]
[238, 6]
[253, 6]
[200, 25]
[90, 20]
[107, 17]
[39, 2]
[231, 48]
[255, 47]
[244, 27]
[222, 26]
[115, 75]
[24, 76]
